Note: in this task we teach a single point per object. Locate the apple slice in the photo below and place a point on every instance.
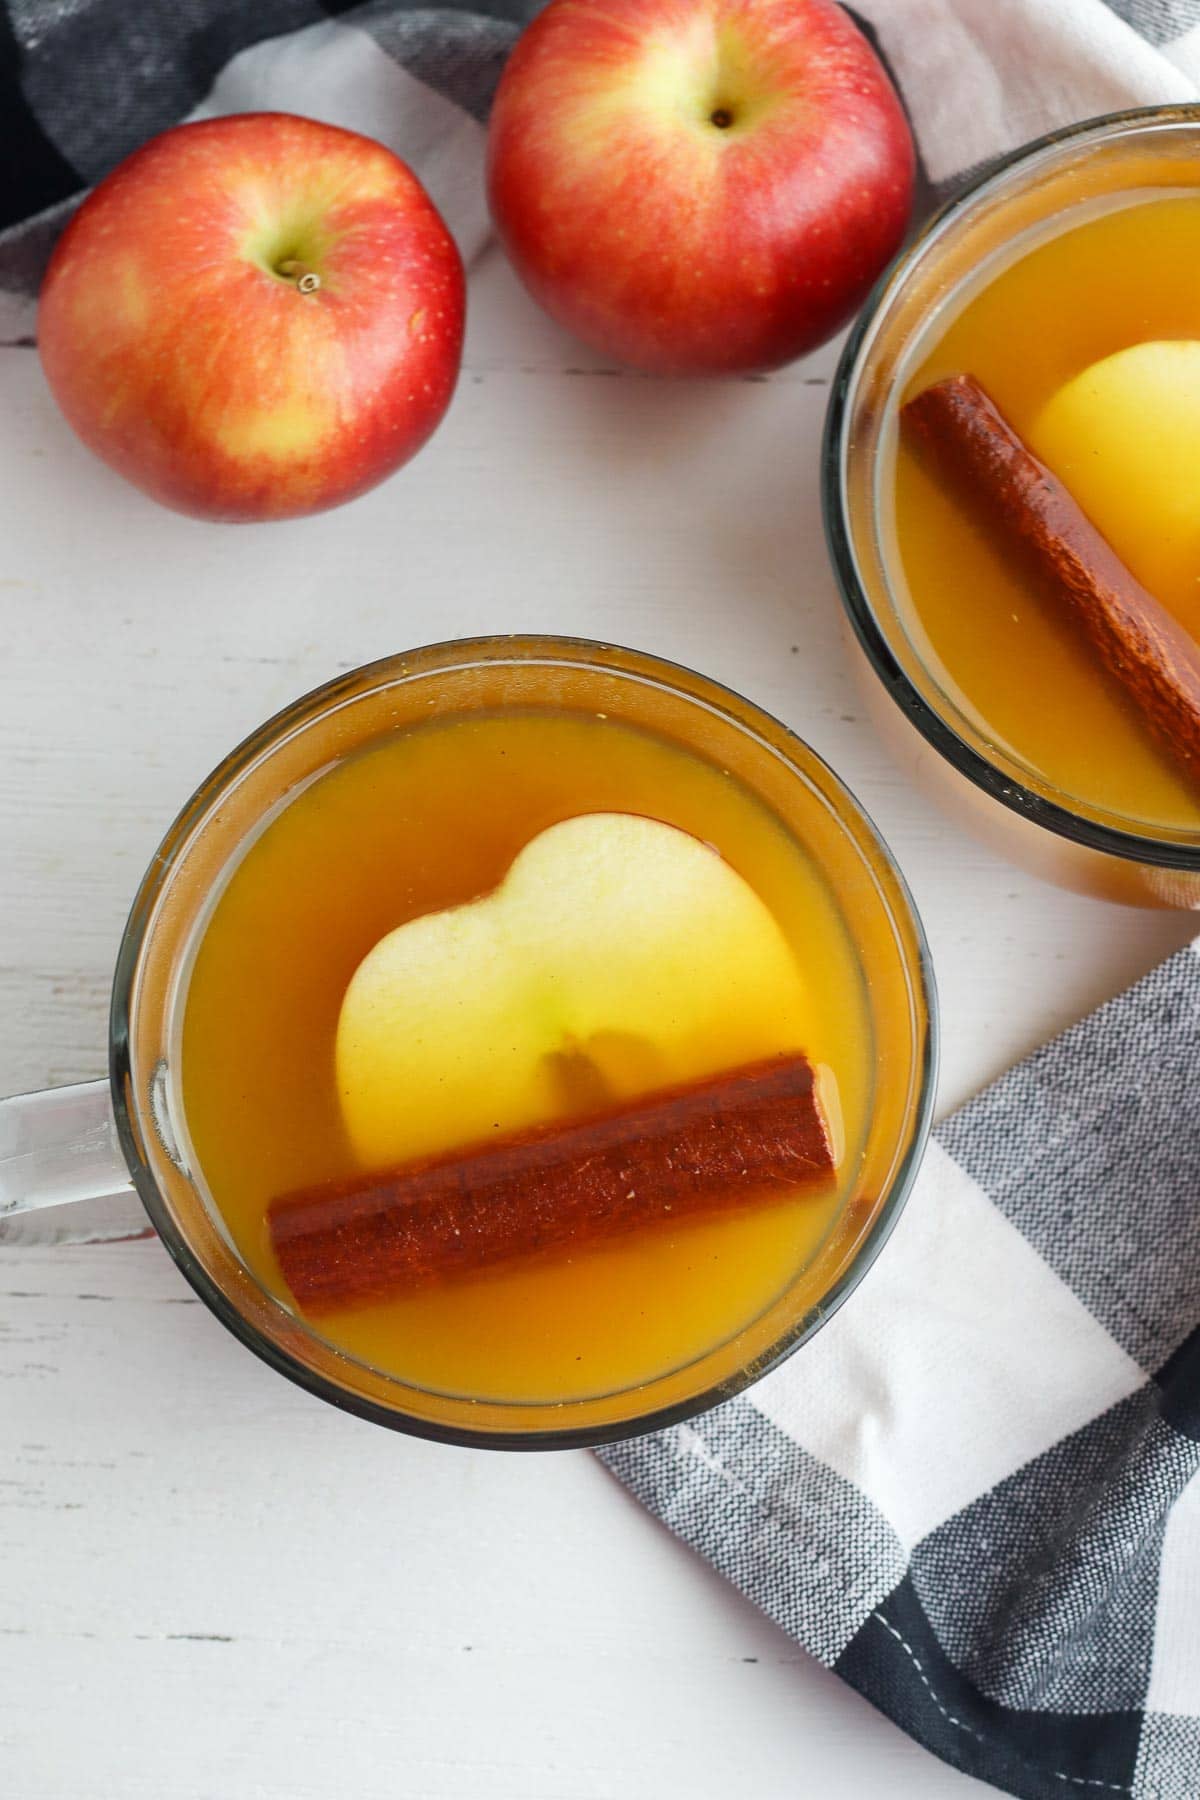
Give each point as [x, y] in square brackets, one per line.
[1124, 437]
[618, 955]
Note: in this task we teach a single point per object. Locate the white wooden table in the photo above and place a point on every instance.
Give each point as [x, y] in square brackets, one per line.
[213, 1587]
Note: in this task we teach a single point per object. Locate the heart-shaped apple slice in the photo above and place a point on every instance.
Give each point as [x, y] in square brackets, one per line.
[1124, 437]
[618, 955]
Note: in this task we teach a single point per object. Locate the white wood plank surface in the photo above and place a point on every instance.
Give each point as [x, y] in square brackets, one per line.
[211, 1586]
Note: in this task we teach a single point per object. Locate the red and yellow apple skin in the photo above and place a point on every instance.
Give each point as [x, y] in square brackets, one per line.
[699, 186]
[188, 357]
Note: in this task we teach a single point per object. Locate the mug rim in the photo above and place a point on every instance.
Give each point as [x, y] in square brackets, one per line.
[369, 677]
[1001, 785]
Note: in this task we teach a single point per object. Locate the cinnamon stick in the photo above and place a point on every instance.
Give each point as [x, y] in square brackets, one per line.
[732, 1140]
[1132, 635]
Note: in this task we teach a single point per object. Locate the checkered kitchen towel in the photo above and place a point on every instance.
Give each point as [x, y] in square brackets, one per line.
[976, 1493]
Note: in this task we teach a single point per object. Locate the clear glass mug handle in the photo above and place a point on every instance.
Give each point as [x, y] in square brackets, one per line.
[59, 1149]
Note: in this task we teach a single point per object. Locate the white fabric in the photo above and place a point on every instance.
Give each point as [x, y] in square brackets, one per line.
[1175, 1669]
[982, 76]
[962, 1335]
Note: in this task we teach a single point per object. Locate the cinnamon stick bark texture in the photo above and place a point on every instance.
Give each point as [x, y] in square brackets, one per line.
[733, 1140]
[978, 454]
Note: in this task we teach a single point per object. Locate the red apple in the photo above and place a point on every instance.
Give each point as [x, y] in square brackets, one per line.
[254, 317]
[699, 186]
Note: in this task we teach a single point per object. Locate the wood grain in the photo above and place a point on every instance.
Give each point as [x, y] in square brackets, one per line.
[217, 1588]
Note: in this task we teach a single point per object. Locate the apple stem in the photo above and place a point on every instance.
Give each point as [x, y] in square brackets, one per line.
[307, 280]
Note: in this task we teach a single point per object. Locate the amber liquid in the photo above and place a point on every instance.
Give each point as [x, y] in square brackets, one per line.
[1005, 656]
[433, 818]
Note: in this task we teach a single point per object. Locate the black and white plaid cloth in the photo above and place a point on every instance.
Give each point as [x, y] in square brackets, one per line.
[976, 1493]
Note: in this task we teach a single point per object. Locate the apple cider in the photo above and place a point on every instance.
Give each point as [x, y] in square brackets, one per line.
[1085, 335]
[504, 922]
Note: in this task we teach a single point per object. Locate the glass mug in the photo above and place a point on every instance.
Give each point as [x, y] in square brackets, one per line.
[982, 783]
[94, 1139]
